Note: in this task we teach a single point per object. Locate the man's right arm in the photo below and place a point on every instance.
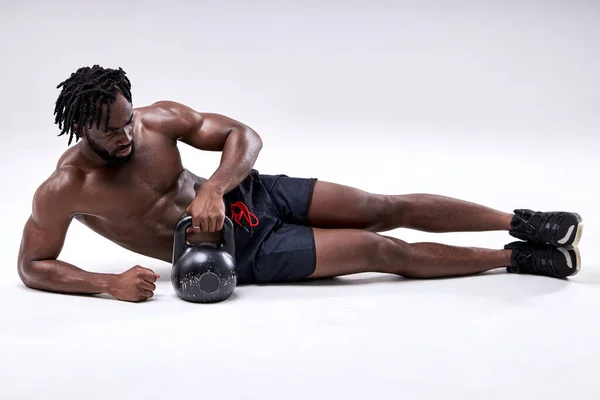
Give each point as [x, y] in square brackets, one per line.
[43, 239]
[42, 242]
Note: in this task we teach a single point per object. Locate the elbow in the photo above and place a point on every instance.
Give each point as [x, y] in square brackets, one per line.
[256, 139]
[27, 274]
[247, 137]
[24, 274]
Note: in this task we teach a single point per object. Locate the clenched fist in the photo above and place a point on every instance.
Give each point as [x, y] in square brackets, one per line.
[135, 284]
[207, 211]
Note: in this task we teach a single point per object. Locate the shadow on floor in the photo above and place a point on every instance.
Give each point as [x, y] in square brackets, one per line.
[494, 285]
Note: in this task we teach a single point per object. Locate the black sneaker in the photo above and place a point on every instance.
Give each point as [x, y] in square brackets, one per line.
[543, 259]
[560, 229]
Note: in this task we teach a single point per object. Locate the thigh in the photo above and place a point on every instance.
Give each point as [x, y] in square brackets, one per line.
[352, 251]
[296, 252]
[339, 206]
[291, 196]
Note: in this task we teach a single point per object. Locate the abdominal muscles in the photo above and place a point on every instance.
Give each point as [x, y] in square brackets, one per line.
[147, 227]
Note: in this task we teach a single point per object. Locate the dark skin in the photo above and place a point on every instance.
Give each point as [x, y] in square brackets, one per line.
[137, 204]
[137, 199]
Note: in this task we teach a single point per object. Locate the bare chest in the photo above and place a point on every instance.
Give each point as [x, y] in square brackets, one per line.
[138, 205]
[150, 179]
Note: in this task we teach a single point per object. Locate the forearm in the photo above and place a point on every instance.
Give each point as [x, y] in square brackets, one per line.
[239, 155]
[60, 276]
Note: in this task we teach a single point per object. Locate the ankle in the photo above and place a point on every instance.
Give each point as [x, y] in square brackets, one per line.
[507, 222]
[507, 254]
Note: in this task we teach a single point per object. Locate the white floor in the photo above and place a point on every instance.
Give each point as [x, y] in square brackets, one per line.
[496, 105]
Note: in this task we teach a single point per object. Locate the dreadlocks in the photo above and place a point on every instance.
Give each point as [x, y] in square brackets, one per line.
[83, 94]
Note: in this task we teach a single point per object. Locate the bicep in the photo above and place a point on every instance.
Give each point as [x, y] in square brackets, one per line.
[45, 230]
[212, 132]
[204, 131]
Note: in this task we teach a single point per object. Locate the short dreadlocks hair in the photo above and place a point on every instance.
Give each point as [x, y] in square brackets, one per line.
[83, 95]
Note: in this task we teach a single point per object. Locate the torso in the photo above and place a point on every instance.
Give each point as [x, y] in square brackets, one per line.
[138, 205]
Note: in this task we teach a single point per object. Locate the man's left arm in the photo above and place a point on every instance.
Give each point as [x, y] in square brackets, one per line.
[239, 144]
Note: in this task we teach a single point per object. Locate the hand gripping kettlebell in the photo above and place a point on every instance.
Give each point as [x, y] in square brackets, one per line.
[203, 273]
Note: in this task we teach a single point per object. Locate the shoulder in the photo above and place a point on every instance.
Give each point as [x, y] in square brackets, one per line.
[59, 193]
[168, 108]
[170, 117]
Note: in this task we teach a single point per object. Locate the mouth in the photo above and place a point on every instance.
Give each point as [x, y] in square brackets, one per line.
[125, 151]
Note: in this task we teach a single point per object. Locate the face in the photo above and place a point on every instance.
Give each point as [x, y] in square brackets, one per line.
[113, 142]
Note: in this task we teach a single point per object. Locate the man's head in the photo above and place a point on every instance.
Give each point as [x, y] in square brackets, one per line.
[95, 103]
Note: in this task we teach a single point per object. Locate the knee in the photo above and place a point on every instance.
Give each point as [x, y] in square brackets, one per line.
[394, 256]
[386, 211]
[400, 258]
[379, 209]
[412, 266]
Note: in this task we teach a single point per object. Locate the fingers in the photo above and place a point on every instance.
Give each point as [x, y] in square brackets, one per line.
[150, 277]
[213, 224]
[141, 296]
[147, 274]
[146, 294]
[144, 290]
[217, 223]
[147, 286]
[220, 223]
[207, 211]
[196, 225]
[196, 221]
[207, 224]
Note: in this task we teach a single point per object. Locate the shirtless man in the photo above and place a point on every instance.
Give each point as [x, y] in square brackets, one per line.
[124, 179]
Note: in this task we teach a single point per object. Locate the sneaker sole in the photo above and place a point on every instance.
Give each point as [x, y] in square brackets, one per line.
[575, 243]
[578, 258]
[579, 231]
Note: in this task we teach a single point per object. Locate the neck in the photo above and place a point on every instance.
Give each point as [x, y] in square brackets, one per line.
[90, 157]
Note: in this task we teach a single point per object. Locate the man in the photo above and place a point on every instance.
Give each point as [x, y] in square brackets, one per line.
[124, 179]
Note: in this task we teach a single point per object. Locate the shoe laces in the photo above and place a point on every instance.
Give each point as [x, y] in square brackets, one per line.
[534, 224]
[540, 261]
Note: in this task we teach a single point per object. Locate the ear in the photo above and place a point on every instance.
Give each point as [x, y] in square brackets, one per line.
[76, 130]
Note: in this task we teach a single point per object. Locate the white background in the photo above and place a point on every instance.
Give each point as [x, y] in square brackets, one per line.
[494, 102]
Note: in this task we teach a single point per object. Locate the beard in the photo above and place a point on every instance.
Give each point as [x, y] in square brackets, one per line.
[111, 159]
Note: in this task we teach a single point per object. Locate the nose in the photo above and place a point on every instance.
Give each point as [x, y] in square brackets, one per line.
[125, 137]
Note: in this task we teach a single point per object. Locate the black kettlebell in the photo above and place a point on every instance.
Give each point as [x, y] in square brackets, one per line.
[203, 273]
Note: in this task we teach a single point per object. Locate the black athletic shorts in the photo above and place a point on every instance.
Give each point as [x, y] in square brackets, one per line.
[273, 242]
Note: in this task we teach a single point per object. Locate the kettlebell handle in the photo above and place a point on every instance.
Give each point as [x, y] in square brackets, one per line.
[180, 244]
